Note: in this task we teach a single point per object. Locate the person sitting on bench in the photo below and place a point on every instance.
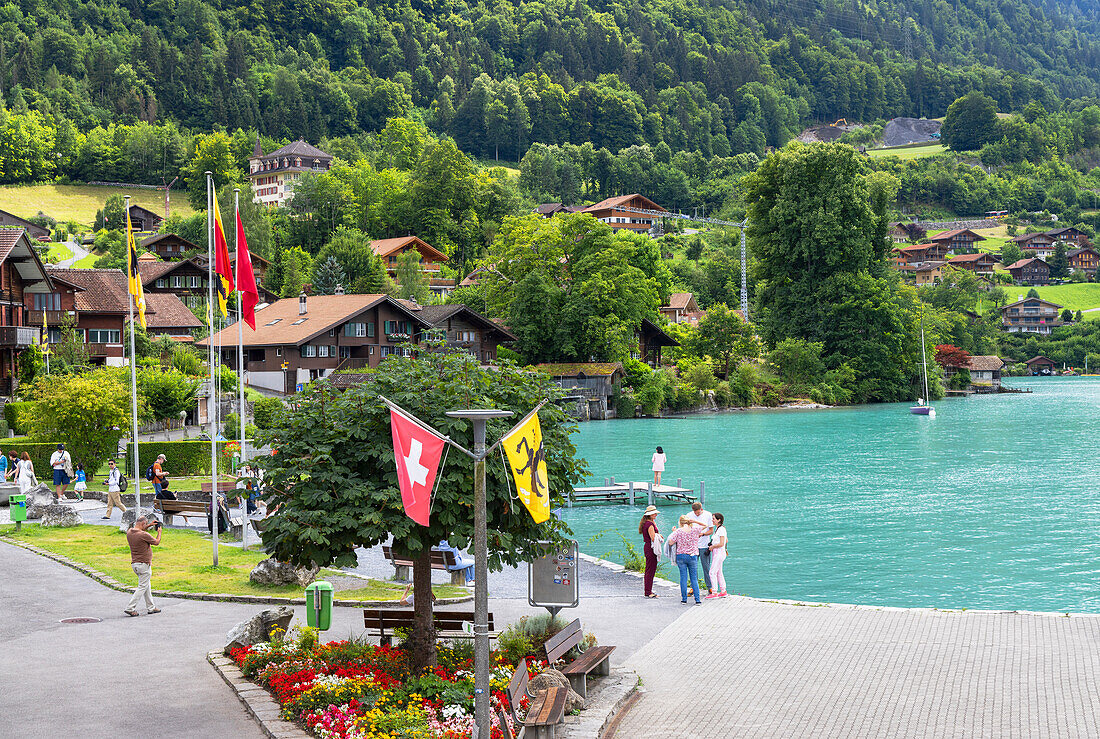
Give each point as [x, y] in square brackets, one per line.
[462, 562]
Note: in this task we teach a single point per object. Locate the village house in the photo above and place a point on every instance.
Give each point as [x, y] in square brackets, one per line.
[1035, 242]
[430, 259]
[167, 246]
[928, 273]
[274, 175]
[259, 269]
[143, 219]
[1031, 315]
[589, 387]
[650, 339]
[1069, 236]
[957, 241]
[613, 211]
[34, 232]
[300, 339]
[463, 329]
[901, 232]
[985, 373]
[1040, 365]
[1085, 259]
[917, 254]
[166, 315]
[1030, 271]
[980, 263]
[682, 308]
[22, 276]
[184, 279]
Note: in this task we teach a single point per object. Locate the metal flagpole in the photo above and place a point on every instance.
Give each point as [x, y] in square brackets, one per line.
[240, 357]
[131, 257]
[213, 400]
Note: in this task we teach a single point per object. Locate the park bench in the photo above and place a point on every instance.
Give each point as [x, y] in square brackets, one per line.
[544, 711]
[440, 561]
[448, 624]
[184, 508]
[594, 659]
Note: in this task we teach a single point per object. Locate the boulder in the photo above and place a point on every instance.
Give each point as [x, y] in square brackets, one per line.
[273, 572]
[39, 498]
[257, 629]
[60, 516]
[130, 514]
[555, 678]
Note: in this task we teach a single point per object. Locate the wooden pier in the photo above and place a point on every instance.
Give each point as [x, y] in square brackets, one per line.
[634, 493]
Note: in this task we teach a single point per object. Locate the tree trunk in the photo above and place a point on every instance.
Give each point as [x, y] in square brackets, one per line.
[421, 642]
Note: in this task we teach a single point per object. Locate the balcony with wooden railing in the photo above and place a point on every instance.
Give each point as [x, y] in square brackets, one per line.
[53, 317]
[18, 336]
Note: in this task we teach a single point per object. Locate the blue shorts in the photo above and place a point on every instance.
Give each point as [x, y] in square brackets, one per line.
[60, 478]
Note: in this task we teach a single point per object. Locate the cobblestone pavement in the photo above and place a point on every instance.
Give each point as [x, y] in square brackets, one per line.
[742, 668]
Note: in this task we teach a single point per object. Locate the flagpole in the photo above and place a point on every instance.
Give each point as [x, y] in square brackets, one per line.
[240, 354]
[213, 410]
[131, 257]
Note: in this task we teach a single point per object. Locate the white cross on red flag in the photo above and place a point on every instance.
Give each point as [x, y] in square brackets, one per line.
[416, 451]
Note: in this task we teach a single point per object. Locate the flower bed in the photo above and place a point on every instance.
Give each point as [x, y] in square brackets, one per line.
[352, 690]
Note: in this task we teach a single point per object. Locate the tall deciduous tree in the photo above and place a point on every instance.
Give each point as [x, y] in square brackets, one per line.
[412, 283]
[726, 337]
[335, 476]
[970, 123]
[88, 412]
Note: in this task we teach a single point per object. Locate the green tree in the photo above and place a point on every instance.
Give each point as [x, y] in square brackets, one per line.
[1059, 262]
[328, 277]
[1011, 253]
[166, 393]
[89, 412]
[335, 478]
[798, 362]
[213, 153]
[364, 269]
[412, 283]
[970, 123]
[114, 213]
[70, 353]
[726, 337]
[534, 317]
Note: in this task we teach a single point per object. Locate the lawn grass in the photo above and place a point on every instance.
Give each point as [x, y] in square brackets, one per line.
[908, 152]
[182, 563]
[58, 253]
[87, 262]
[79, 202]
[1075, 296]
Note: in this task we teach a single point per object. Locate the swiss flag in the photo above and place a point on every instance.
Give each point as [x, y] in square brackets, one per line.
[416, 451]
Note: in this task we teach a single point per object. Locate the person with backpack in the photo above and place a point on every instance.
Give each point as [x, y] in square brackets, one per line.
[115, 483]
[62, 465]
[159, 478]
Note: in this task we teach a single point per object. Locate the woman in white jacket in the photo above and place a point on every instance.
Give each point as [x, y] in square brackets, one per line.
[25, 473]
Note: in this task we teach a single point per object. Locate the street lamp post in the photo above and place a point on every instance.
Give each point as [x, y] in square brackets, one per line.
[481, 567]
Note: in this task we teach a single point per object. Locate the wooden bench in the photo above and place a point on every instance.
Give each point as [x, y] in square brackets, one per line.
[448, 624]
[192, 508]
[594, 659]
[544, 711]
[440, 561]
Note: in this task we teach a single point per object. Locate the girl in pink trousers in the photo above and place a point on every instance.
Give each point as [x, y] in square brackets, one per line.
[718, 556]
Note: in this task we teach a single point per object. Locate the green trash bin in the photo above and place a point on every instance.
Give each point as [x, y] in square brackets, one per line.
[17, 507]
[319, 605]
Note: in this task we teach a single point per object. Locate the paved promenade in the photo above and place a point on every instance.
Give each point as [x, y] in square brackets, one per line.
[743, 668]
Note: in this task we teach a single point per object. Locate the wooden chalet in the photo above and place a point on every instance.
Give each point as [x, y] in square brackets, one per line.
[168, 246]
[1033, 315]
[143, 219]
[22, 276]
[1069, 236]
[1085, 259]
[34, 231]
[681, 308]
[612, 212]
[958, 241]
[430, 259]
[651, 338]
[463, 329]
[980, 263]
[1030, 271]
[588, 385]
[1041, 365]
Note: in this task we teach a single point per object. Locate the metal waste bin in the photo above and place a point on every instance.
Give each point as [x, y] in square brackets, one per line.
[17, 505]
[319, 605]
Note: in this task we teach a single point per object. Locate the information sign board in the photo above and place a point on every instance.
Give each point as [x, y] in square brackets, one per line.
[552, 580]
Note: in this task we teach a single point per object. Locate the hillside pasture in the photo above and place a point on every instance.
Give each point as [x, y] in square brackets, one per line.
[1075, 296]
[908, 152]
[80, 202]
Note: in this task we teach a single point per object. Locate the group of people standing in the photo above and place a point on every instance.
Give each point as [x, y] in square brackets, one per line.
[699, 539]
[19, 468]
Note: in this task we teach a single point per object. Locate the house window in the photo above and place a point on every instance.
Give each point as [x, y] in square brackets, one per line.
[309, 351]
[469, 336]
[177, 281]
[300, 320]
[104, 336]
[196, 281]
[345, 352]
[388, 350]
[370, 351]
[160, 282]
[272, 323]
[47, 301]
[322, 351]
[332, 332]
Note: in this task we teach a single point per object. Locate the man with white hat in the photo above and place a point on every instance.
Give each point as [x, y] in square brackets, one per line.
[653, 540]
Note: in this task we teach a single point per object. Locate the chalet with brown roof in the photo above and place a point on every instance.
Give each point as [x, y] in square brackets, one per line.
[167, 246]
[1069, 236]
[430, 259]
[985, 373]
[300, 339]
[651, 338]
[274, 175]
[1030, 271]
[184, 278]
[959, 240]
[980, 263]
[928, 273]
[34, 232]
[589, 385]
[681, 308]
[1031, 315]
[918, 254]
[902, 231]
[143, 219]
[1085, 259]
[166, 315]
[22, 275]
[549, 210]
[614, 212]
[1041, 365]
[463, 329]
[1034, 241]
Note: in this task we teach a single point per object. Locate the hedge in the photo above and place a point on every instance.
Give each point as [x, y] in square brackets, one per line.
[40, 452]
[184, 457]
[17, 415]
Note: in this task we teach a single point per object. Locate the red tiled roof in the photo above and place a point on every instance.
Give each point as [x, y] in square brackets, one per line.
[151, 271]
[8, 239]
[99, 290]
[168, 311]
[972, 257]
[622, 200]
[947, 235]
[385, 247]
[679, 301]
[1024, 262]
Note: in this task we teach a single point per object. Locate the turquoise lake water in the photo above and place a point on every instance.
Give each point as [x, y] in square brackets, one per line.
[995, 503]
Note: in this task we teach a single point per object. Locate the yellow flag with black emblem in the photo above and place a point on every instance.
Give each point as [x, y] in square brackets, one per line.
[527, 461]
[134, 285]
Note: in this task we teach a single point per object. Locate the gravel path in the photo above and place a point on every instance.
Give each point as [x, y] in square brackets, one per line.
[79, 252]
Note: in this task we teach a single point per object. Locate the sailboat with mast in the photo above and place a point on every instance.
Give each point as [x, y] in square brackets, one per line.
[922, 408]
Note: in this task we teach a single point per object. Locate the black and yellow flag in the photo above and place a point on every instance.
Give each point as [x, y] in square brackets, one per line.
[134, 287]
[527, 460]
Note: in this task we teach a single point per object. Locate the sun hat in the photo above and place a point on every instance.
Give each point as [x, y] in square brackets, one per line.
[650, 511]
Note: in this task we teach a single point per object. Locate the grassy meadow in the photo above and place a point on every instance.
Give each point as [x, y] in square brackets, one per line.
[80, 202]
[908, 152]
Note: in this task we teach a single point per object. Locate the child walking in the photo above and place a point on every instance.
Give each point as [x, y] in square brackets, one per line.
[81, 482]
[718, 556]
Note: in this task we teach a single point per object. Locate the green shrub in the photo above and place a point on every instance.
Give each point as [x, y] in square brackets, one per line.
[625, 403]
[265, 411]
[184, 457]
[40, 452]
[17, 415]
[504, 353]
[723, 396]
[743, 385]
[514, 644]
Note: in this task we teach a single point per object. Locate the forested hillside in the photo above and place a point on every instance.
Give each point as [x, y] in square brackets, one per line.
[717, 77]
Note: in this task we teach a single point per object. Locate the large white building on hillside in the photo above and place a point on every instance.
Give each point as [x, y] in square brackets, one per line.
[273, 175]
